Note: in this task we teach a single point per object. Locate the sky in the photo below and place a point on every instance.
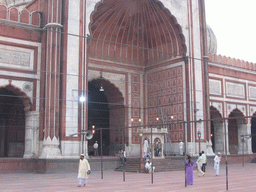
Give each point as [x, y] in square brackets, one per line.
[234, 25]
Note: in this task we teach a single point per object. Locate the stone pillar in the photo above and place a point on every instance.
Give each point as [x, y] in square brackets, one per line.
[249, 140]
[51, 118]
[32, 135]
[219, 136]
[228, 153]
[243, 142]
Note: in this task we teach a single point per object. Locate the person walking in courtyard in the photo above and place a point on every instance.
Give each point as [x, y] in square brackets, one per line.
[189, 170]
[83, 171]
[199, 163]
[217, 159]
[204, 162]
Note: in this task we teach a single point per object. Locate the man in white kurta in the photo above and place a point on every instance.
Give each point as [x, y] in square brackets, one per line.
[83, 169]
[199, 163]
[217, 163]
[145, 147]
[148, 167]
[181, 144]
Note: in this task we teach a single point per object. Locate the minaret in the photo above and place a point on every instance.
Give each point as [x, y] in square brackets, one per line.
[205, 58]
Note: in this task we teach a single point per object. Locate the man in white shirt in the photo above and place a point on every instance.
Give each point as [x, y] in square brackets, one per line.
[217, 159]
[199, 163]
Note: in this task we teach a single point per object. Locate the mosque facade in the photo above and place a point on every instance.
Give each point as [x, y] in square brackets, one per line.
[153, 62]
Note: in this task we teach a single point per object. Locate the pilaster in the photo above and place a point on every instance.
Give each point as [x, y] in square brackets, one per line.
[52, 80]
[32, 135]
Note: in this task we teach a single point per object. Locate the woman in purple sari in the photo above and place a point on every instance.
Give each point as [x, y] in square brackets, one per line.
[189, 170]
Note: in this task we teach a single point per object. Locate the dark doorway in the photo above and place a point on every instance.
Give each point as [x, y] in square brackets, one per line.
[12, 124]
[253, 132]
[233, 136]
[98, 116]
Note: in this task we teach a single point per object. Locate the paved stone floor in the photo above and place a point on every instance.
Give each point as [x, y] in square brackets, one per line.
[239, 179]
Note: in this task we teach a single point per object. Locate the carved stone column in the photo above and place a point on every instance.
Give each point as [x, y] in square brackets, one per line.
[51, 116]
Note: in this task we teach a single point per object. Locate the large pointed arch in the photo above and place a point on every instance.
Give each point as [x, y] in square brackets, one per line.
[137, 32]
[21, 94]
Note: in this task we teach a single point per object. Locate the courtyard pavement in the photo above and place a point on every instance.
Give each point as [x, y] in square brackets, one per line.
[239, 179]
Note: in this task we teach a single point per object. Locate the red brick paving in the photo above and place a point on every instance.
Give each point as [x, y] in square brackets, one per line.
[240, 179]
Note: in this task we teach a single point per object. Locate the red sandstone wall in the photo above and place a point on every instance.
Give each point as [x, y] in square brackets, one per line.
[165, 96]
[136, 110]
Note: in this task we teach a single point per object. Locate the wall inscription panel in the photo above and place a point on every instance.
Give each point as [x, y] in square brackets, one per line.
[215, 87]
[16, 57]
[235, 90]
[252, 92]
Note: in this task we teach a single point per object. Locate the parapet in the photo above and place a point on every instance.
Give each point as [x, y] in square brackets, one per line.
[219, 59]
[13, 15]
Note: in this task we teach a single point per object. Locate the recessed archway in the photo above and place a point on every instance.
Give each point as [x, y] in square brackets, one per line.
[12, 124]
[253, 132]
[98, 117]
[217, 132]
[157, 147]
[236, 127]
[106, 110]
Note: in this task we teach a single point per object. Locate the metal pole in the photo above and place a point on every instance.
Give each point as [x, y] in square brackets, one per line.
[243, 149]
[226, 151]
[185, 129]
[82, 139]
[199, 145]
[123, 154]
[152, 174]
[141, 154]
[101, 160]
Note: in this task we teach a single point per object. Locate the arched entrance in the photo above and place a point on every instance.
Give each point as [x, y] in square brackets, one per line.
[106, 110]
[253, 132]
[129, 37]
[157, 147]
[98, 116]
[236, 128]
[217, 130]
[12, 124]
